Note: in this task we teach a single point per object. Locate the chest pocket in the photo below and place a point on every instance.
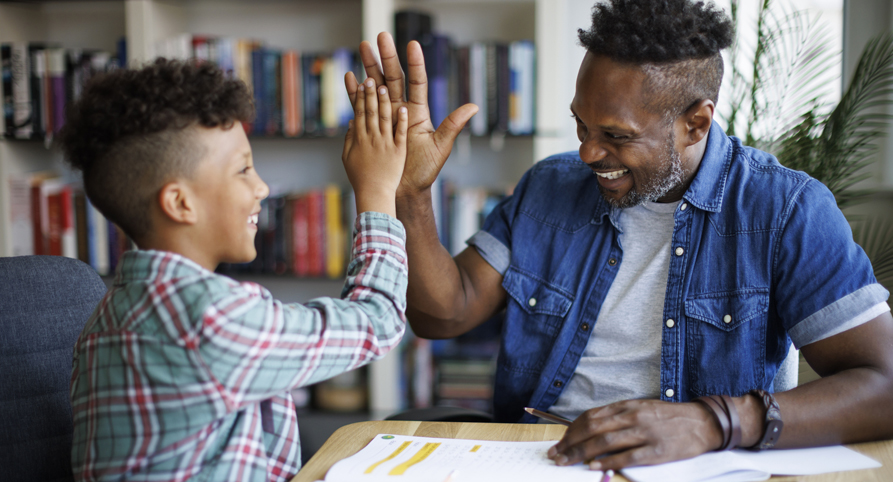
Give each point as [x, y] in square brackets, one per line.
[726, 341]
[534, 315]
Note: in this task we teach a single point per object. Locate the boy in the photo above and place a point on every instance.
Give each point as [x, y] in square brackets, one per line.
[181, 372]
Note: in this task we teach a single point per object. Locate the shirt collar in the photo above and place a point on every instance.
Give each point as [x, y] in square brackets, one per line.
[708, 187]
[145, 265]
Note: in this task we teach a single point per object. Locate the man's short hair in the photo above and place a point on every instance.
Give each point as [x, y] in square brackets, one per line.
[129, 132]
[676, 42]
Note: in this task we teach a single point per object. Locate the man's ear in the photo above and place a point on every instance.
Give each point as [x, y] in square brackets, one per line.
[698, 119]
[177, 203]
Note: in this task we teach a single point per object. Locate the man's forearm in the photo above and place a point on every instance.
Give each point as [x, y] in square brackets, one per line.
[435, 296]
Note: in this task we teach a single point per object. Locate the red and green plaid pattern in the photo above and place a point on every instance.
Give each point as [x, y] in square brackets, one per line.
[181, 372]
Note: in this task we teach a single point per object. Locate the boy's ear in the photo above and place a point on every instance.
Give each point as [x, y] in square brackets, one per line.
[176, 202]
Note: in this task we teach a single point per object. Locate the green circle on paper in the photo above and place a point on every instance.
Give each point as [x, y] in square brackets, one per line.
[387, 437]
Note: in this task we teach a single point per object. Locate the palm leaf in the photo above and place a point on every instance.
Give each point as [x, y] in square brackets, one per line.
[875, 235]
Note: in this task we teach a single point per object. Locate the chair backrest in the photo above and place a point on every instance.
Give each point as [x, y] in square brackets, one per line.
[44, 303]
[789, 372]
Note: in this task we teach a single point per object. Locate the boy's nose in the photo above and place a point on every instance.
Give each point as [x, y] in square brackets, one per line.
[262, 190]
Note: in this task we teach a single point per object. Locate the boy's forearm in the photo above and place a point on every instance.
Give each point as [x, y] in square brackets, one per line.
[436, 296]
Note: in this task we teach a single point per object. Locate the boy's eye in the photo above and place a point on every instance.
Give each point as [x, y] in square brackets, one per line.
[245, 171]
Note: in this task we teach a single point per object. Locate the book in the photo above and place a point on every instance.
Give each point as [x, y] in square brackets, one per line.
[430, 459]
[20, 219]
[316, 233]
[6, 91]
[291, 94]
[336, 251]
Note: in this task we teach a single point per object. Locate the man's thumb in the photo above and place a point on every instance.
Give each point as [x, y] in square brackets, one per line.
[451, 126]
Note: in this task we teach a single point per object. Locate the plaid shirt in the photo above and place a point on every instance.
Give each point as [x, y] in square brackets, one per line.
[184, 373]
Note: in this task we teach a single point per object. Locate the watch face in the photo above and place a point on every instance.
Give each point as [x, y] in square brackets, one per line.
[773, 431]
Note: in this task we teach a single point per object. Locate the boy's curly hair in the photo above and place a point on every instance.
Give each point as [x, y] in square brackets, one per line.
[129, 132]
[676, 42]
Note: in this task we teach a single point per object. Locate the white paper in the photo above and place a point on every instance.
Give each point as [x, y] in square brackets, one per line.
[403, 458]
[745, 465]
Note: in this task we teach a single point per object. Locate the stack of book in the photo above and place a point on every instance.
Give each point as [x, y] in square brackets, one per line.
[39, 79]
[497, 76]
[303, 234]
[49, 216]
[295, 93]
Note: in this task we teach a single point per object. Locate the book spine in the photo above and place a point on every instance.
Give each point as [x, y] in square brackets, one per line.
[38, 94]
[291, 94]
[272, 92]
[55, 217]
[20, 219]
[260, 90]
[335, 250]
[6, 90]
[20, 64]
[56, 67]
[301, 236]
[478, 87]
[80, 226]
[315, 233]
[503, 87]
[67, 233]
[311, 69]
[328, 86]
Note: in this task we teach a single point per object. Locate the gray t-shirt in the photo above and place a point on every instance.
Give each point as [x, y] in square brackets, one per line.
[622, 358]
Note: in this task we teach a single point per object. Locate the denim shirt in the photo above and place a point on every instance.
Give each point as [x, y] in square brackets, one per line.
[761, 256]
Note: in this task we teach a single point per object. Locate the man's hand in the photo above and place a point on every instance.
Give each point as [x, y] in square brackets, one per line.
[637, 432]
[374, 152]
[427, 149]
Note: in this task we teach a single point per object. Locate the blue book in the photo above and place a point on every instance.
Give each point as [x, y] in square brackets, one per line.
[273, 92]
[260, 88]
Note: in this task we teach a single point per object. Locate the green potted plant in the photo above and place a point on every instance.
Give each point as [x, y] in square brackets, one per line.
[784, 107]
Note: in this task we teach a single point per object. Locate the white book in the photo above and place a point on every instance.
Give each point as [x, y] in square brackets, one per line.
[477, 85]
[21, 90]
[21, 226]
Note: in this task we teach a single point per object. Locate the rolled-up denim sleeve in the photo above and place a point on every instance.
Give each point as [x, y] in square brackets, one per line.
[494, 241]
[825, 284]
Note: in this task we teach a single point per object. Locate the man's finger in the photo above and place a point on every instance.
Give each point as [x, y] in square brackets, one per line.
[370, 62]
[589, 424]
[418, 79]
[351, 84]
[393, 72]
[642, 455]
[451, 126]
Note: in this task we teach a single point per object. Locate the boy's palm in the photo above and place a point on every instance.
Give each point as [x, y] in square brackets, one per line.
[427, 148]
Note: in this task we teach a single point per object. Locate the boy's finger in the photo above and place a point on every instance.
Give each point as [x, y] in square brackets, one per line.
[402, 126]
[359, 112]
[371, 108]
[351, 84]
[384, 112]
[348, 140]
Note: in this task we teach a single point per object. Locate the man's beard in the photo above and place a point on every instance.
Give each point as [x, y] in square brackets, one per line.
[669, 176]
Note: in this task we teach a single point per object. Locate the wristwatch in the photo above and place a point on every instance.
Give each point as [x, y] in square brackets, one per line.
[773, 424]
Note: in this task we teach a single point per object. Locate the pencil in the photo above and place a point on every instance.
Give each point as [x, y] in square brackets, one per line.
[547, 416]
[607, 477]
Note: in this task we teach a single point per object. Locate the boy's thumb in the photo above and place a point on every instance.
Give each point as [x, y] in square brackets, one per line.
[451, 126]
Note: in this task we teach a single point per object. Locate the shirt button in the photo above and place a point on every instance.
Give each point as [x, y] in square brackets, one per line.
[680, 251]
[531, 302]
[584, 326]
[557, 384]
[671, 323]
[727, 319]
[683, 207]
[670, 393]
[612, 261]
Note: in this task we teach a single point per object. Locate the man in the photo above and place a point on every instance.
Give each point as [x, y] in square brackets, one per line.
[664, 263]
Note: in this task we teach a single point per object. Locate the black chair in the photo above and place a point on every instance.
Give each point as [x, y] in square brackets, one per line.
[442, 414]
[44, 303]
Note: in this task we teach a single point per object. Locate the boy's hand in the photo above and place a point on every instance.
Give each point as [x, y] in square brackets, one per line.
[428, 148]
[374, 154]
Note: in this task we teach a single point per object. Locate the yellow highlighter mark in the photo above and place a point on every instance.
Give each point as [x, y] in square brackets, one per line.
[401, 448]
[475, 448]
[421, 455]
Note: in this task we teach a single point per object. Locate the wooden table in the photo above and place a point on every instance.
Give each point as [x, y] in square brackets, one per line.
[349, 439]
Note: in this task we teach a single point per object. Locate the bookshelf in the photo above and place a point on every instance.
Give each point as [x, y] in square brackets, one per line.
[296, 164]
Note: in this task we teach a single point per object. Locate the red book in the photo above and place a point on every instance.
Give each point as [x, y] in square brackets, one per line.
[316, 229]
[54, 213]
[299, 236]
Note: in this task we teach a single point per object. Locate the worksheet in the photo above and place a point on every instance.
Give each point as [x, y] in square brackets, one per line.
[404, 458]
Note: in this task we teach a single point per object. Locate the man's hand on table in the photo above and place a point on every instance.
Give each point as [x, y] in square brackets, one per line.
[638, 432]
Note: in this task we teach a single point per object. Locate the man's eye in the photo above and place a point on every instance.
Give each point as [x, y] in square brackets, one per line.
[612, 136]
